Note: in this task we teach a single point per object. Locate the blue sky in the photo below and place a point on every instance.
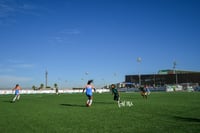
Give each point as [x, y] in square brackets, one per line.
[77, 40]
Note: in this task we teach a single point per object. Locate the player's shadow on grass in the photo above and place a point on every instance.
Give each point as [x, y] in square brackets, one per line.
[187, 119]
[72, 105]
[8, 101]
[101, 102]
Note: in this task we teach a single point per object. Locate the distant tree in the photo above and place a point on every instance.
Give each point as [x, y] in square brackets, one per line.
[55, 85]
[41, 86]
[34, 87]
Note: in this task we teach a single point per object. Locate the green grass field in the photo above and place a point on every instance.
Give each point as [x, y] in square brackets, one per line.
[66, 113]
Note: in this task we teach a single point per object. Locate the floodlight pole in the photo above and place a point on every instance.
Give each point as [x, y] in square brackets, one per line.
[154, 79]
[139, 76]
[175, 72]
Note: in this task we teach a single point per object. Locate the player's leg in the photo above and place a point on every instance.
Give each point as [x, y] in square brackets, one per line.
[90, 101]
[148, 93]
[115, 98]
[87, 102]
[14, 98]
[18, 96]
[145, 95]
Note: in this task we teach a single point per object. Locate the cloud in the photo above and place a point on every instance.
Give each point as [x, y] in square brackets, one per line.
[12, 63]
[71, 32]
[6, 70]
[24, 65]
[5, 10]
[19, 63]
[5, 78]
[11, 66]
[9, 80]
[9, 9]
[65, 36]
[58, 39]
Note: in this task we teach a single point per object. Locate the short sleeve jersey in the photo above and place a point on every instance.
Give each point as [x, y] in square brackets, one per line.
[88, 90]
[115, 92]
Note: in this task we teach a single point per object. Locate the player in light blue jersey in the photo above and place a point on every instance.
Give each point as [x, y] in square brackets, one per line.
[88, 91]
[17, 94]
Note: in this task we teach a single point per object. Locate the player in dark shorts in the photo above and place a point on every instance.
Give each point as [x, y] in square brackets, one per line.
[115, 93]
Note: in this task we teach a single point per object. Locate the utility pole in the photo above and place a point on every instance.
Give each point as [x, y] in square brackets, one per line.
[46, 78]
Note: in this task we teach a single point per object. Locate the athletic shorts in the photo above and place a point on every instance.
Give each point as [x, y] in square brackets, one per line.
[89, 96]
[116, 97]
[16, 92]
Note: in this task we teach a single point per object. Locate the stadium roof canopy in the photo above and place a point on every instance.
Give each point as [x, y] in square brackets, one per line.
[172, 71]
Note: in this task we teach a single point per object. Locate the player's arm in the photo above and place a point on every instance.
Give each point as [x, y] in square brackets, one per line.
[94, 88]
[13, 88]
[83, 90]
[112, 91]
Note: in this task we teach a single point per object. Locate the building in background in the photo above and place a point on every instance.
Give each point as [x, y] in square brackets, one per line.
[164, 77]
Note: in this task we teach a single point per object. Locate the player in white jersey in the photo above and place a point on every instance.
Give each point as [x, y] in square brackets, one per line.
[88, 91]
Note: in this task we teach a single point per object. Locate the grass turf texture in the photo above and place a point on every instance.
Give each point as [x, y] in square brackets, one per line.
[50, 113]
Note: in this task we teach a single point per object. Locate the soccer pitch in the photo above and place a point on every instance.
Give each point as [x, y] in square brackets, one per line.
[177, 112]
